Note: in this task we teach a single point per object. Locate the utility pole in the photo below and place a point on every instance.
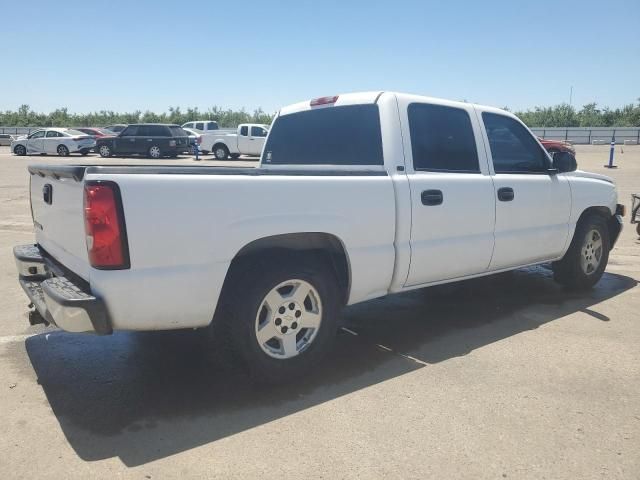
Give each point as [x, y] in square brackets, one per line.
[570, 94]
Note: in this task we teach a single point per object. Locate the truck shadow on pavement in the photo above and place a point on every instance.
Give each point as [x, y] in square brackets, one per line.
[146, 396]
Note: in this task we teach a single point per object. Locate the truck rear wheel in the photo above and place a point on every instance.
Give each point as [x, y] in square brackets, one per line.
[280, 315]
[584, 263]
[221, 152]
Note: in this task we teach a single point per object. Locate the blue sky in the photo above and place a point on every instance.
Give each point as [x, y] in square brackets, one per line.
[154, 54]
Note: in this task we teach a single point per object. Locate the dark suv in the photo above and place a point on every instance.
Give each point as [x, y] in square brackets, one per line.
[154, 140]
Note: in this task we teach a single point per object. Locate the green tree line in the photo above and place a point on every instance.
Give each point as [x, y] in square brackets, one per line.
[563, 115]
[590, 115]
[61, 117]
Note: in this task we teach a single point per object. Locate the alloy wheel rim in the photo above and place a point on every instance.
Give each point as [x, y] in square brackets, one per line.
[104, 151]
[591, 252]
[154, 152]
[220, 153]
[288, 319]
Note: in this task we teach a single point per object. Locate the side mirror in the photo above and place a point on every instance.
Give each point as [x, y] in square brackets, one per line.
[564, 162]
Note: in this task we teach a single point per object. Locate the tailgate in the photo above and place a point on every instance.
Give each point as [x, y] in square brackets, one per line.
[57, 209]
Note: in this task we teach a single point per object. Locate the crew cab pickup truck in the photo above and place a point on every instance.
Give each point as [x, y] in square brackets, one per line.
[357, 196]
[247, 140]
[154, 140]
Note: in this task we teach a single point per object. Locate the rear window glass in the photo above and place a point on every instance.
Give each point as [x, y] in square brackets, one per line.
[178, 131]
[212, 126]
[348, 135]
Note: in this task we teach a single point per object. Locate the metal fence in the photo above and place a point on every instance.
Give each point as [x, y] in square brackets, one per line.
[18, 130]
[592, 135]
[578, 135]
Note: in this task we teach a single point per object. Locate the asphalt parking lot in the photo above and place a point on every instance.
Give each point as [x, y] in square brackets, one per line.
[502, 377]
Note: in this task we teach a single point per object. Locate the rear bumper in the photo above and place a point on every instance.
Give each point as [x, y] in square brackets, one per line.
[59, 299]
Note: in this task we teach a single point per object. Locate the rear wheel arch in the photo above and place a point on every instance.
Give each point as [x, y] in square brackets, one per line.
[320, 245]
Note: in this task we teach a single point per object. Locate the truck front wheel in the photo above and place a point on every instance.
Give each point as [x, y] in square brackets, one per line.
[587, 256]
[281, 315]
[221, 152]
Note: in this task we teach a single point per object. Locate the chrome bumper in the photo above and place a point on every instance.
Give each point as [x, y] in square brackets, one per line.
[57, 298]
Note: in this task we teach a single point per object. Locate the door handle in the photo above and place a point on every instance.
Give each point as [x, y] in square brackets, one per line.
[432, 197]
[505, 194]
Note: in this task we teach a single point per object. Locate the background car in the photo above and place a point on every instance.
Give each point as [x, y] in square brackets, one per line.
[95, 132]
[556, 146]
[116, 128]
[197, 140]
[155, 140]
[5, 139]
[60, 141]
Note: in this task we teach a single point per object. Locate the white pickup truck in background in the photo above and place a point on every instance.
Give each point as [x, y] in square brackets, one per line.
[247, 139]
[409, 192]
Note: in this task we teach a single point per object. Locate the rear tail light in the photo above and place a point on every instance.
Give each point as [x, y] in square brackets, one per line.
[323, 101]
[104, 226]
[172, 143]
[199, 140]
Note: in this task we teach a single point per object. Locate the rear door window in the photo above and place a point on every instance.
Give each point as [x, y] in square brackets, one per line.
[159, 131]
[199, 126]
[348, 135]
[442, 139]
[244, 131]
[130, 131]
[212, 126]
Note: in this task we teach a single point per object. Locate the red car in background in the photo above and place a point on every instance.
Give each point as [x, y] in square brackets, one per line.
[555, 146]
[96, 133]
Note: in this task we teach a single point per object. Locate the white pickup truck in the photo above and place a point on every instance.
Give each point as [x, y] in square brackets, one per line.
[357, 196]
[248, 139]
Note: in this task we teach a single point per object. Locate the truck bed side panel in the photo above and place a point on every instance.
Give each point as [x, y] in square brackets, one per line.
[184, 230]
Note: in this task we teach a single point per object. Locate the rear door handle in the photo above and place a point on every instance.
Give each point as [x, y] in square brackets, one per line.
[432, 197]
[505, 194]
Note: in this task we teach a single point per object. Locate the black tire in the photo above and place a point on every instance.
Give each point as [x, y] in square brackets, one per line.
[570, 271]
[154, 152]
[20, 150]
[221, 152]
[243, 295]
[104, 151]
[84, 151]
[63, 151]
[638, 228]
[235, 156]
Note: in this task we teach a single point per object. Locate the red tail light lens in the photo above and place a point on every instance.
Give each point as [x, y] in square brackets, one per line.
[199, 140]
[104, 226]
